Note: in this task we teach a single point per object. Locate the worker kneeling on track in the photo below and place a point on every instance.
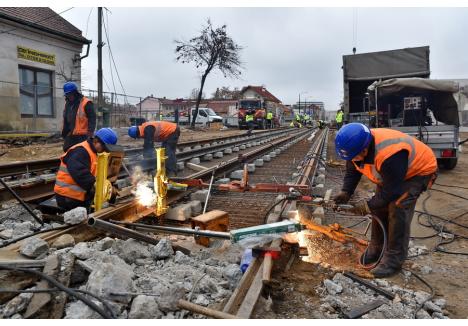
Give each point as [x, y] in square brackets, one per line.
[159, 131]
[74, 184]
[403, 168]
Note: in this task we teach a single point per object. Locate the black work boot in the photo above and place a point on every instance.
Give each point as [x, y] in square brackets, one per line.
[374, 250]
[399, 222]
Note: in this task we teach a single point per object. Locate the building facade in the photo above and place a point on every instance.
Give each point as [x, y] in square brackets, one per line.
[39, 52]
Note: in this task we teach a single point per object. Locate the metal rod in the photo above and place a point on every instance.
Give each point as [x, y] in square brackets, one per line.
[112, 228]
[170, 229]
[21, 201]
[371, 286]
[209, 190]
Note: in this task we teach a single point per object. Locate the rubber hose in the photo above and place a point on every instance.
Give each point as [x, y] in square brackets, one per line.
[385, 241]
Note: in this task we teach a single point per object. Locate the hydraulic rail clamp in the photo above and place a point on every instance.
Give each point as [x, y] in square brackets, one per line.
[272, 228]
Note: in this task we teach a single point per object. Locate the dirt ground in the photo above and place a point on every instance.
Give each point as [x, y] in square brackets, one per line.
[294, 293]
[10, 154]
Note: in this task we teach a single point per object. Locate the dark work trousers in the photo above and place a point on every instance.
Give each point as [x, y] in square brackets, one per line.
[67, 203]
[69, 141]
[269, 124]
[250, 127]
[170, 145]
[397, 217]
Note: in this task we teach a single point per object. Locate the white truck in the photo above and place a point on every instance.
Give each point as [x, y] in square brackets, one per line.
[204, 118]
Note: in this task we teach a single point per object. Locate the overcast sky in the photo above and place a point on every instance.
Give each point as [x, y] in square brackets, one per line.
[289, 50]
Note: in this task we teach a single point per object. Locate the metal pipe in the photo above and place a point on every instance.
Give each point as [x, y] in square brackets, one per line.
[209, 189]
[21, 201]
[170, 229]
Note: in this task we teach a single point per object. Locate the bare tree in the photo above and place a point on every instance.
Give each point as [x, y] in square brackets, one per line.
[213, 48]
[194, 94]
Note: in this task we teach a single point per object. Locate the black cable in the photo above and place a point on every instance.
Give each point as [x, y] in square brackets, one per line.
[9, 242]
[426, 284]
[449, 193]
[104, 303]
[60, 286]
[355, 224]
[271, 208]
[384, 246]
[462, 142]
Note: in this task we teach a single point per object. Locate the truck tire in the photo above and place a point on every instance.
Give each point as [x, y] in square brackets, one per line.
[450, 163]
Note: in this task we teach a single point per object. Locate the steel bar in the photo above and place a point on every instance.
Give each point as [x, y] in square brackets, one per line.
[371, 286]
[21, 201]
[204, 310]
[361, 311]
[175, 230]
[120, 230]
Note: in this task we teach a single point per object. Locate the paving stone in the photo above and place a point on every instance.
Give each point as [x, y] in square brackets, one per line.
[272, 154]
[196, 207]
[228, 151]
[199, 195]
[186, 149]
[218, 155]
[162, 250]
[180, 166]
[248, 145]
[259, 162]
[251, 168]
[75, 216]
[207, 157]
[34, 247]
[237, 175]
[266, 158]
[144, 307]
[235, 149]
[206, 145]
[179, 213]
[196, 147]
[64, 241]
[242, 147]
[195, 160]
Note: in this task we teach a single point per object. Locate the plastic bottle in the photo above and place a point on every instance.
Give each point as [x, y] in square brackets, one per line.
[246, 259]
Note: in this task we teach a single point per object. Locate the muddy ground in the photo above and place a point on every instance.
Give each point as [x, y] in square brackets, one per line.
[297, 292]
[41, 150]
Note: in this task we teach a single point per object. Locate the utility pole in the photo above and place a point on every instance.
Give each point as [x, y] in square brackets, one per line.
[99, 72]
[299, 104]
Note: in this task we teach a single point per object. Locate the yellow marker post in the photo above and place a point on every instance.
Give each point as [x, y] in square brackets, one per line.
[160, 182]
[102, 184]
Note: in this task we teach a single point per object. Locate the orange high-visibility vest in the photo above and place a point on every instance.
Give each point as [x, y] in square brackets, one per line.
[163, 129]
[81, 120]
[421, 159]
[64, 183]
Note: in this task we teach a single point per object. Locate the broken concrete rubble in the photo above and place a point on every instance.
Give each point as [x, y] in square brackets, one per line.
[75, 216]
[144, 307]
[34, 247]
[131, 249]
[64, 241]
[162, 250]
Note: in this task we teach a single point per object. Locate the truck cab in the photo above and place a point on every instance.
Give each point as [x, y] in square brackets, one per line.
[206, 116]
[256, 105]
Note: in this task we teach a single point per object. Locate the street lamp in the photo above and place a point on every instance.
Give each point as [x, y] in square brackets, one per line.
[299, 105]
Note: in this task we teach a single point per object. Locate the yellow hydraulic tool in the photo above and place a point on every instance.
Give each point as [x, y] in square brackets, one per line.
[103, 187]
[162, 184]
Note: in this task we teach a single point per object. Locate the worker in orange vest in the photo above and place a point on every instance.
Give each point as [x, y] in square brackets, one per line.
[403, 168]
[79, 117]
[77, 172]
[159, 131]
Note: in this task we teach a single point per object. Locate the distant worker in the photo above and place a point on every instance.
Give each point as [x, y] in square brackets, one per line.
[249, 119]
[269, 120]
[306, 119]
[159, 131]
[78, 167]
[79, 117]
[339, 119]
[403, 168]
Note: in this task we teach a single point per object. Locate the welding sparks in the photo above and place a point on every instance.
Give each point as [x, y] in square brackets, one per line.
[145, 195]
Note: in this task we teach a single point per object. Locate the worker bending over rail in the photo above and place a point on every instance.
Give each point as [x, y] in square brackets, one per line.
[74, 184]
[79, 117]
[159, 131]
[403, 168]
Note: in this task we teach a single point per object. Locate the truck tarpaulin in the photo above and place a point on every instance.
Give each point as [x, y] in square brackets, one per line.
[387, 64]
[444, 94]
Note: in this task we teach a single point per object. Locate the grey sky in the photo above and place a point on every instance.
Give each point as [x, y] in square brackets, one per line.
[290, 50]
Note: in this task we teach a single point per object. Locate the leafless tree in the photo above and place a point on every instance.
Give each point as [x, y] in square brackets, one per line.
[212, 49]
[194, 94]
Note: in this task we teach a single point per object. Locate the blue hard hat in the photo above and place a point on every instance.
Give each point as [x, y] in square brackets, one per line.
[351, 140]
[133, 131]
[108, 137]
[69, 87]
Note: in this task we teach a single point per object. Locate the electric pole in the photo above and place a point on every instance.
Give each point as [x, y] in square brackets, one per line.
[99, 72]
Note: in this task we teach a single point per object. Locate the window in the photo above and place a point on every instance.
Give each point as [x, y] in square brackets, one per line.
[36, 92]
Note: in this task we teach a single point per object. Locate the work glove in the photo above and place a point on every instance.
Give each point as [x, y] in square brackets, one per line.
[341, 198]
[361, 208]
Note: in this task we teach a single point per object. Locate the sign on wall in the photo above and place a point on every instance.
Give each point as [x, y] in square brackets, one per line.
[34, 55]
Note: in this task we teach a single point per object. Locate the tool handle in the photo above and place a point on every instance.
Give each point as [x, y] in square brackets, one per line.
[267, 266]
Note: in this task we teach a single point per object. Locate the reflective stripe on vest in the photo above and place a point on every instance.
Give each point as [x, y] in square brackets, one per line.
[163, 129]
[249, 117]
[421, 159]
[64, 183]
[81, 119]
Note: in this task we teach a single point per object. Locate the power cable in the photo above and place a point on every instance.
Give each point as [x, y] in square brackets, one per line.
[449, 193]
[60, 286]
[426, 284]
[87, 21]
[109, 54]
[39, 21]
